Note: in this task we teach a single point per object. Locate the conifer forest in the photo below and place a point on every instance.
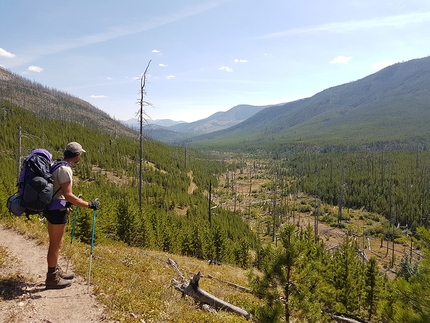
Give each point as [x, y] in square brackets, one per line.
[268, 216]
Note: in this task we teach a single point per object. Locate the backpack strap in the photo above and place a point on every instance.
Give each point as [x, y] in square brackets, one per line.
[57, 164]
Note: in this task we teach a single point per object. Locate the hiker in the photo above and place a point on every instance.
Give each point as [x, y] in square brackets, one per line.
[57, 217]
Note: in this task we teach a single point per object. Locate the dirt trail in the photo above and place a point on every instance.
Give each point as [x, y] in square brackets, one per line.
[36, 304]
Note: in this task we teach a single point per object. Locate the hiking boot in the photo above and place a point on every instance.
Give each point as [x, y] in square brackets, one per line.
[64, 275]
[54, 281]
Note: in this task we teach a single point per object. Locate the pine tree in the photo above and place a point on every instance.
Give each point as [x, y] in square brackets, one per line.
[125, 222]
[372, 288]
[83, 227]
[314, 297]
[347, 278]
[410, 299]
[407, 267]
[298, 270]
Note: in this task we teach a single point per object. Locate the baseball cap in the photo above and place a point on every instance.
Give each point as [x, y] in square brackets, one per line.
[75, 147]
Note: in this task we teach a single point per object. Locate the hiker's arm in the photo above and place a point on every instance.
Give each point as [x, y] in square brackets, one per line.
[66, 188]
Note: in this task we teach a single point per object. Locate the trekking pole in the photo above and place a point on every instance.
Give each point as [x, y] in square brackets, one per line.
[91, 248]
[72, 234]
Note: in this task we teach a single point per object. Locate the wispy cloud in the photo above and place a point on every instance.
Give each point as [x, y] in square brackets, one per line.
[237, 60]
[341, 60]
[162, 65]
[171, 77]
[98, 96]
[121, 31]
[5, 53]
[155, 51]
[344, 27]
[149, 24]
[34, 68]
[226, 69]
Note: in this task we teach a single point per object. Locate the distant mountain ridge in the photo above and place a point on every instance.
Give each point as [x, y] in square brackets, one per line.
[389, 107]
[51, 103]
[134, 122]
[217, 121]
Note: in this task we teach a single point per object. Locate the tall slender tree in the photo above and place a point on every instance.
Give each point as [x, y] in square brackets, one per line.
[142, 115]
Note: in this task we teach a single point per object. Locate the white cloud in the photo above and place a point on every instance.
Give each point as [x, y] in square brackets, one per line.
[343, 27]
[241, 60]
[380, 65]
[171, 77]
[155, 51]
[225, 68]
[162, 65]
[5, 53]
[341, 60]
[34, 68]
[98, 96]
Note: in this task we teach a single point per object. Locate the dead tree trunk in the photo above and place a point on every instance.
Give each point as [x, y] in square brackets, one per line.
[192, 289]
[343, 319]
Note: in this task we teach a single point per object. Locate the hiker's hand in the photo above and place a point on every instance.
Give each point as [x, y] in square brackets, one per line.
[94, 204]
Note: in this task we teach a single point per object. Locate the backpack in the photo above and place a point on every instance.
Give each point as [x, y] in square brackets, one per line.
[35, 184]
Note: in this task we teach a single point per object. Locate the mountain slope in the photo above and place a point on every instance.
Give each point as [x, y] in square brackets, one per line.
[51, 103]
[390, 105]
[219, 120]
[134, 122]
[215, 122]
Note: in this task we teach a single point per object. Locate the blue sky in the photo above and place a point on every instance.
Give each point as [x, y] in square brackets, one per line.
[206, 55]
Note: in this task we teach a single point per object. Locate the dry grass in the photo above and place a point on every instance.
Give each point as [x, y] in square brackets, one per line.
[135, 284]
[11, 283]
[3, 256]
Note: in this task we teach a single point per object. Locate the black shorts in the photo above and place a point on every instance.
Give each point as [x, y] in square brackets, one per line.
[56, 216]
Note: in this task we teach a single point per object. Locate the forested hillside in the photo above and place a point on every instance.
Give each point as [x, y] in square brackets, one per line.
[203, 207]
[390, 107]
[51, 103]
[394, 184]
[176, 181]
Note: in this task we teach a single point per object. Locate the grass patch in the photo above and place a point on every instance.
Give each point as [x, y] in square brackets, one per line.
[135, 284]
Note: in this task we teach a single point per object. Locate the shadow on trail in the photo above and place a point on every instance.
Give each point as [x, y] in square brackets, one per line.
[13, 287]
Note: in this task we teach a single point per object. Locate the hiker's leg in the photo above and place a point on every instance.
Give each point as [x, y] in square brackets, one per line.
[56, 233]
[54, 278]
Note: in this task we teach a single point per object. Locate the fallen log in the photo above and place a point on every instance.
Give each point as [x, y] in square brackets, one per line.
[192, 289]
[173, 263]
[344, 319]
